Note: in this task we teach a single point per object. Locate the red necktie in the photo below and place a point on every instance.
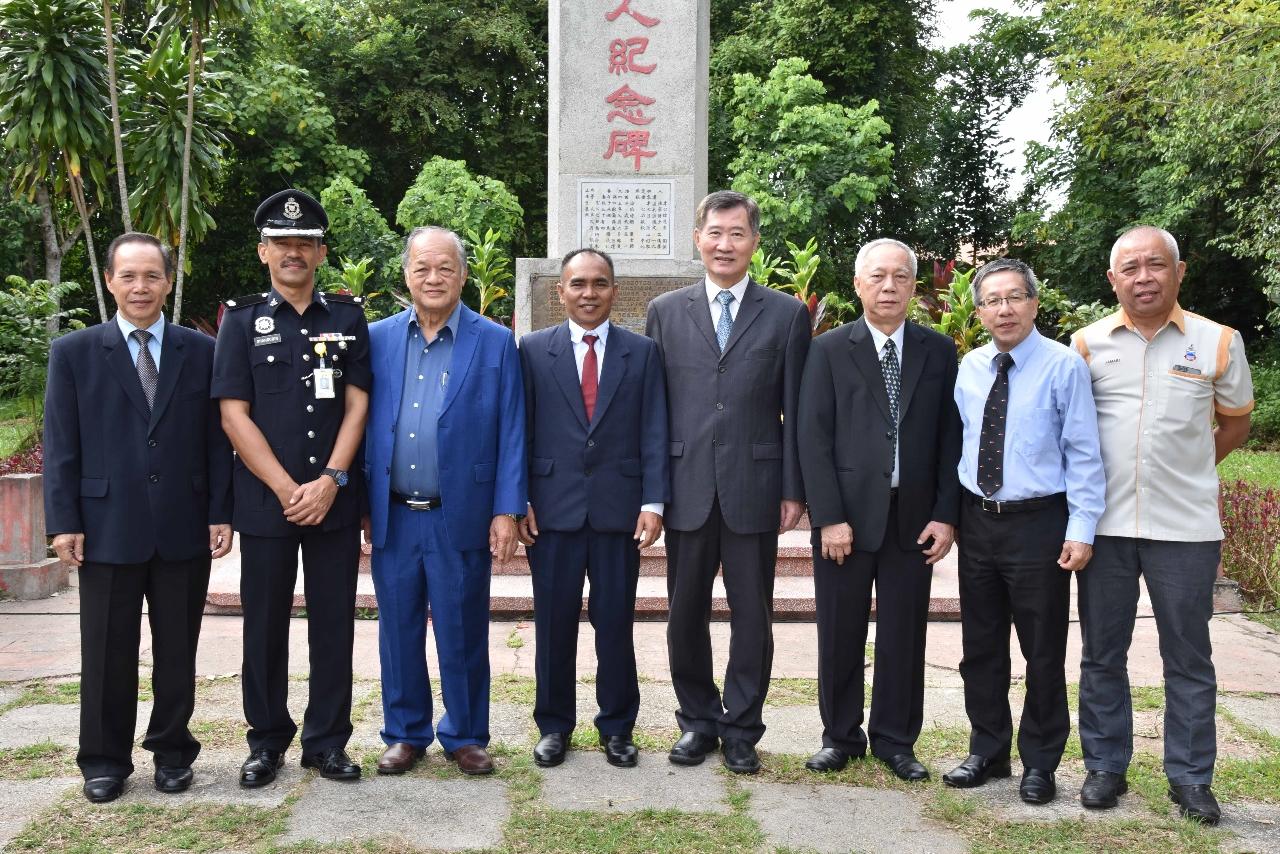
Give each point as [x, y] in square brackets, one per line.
[590, 376]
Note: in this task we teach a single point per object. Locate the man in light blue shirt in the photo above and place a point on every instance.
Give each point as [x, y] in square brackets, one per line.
[1033, 492]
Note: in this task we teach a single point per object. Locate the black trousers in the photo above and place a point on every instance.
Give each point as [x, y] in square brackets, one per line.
[843, 599]
[559, 561]
[749, 560]
[1009, 573]
[111, 598]
[269, 570]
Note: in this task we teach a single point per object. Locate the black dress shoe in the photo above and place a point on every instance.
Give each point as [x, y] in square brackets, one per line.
[1037, 786]
[1101, 789]
[907, 767]
[692, 748]
[260, 768]
[619, 751]
[828, 759]
[550, 749]
[740, 756]
[1196, 803]
[333, 763]
[975, 771]
[172, 780]
[100, 790]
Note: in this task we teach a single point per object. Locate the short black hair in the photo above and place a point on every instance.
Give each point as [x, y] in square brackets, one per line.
[599, 253]
[140, 237]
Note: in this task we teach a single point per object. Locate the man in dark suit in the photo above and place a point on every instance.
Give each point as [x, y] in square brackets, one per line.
[597, 438]
[138, 496]
[879, 445]
[734, 352]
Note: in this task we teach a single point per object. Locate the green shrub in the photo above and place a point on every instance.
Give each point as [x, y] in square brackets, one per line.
[29, 320]
[1264, 426]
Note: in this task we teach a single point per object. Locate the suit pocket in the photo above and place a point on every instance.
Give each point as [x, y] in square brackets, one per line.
[763, 353]
[766, 451]
[93, 487]
[677, 449]
[541, 466]
[198, 484]
[629, 468]
[484, 472]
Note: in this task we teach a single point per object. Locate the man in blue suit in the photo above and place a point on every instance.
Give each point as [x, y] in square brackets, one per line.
[596, 401]
[445, 460]
[138, 496]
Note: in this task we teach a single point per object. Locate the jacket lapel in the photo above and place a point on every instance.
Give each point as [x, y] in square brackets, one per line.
[393, 357]
[863, 351]
[752, 305]
[464, 348]
[913, 359]
[700, 315]
[615, 367]
[565, 370]
[123, 368]
[171, 359]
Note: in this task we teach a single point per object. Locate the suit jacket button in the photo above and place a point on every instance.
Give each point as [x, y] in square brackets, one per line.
[587, 472]
[155, 478]
[719, 406]
[722, 369]
[591, 443]
[889, 435]
[151, 443]
[888, 474]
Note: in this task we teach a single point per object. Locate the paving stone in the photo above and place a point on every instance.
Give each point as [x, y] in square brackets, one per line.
[803, 816]
[29, 725]
[587, 782]
[1256, 828]
[217, 781]
[791, 729]
[21, 800]
[1002, 797]
[448, 815]
[1263, 713]
[511, 724]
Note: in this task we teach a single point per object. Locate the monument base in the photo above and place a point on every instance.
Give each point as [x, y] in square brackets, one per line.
[639, 281]
[28, 581]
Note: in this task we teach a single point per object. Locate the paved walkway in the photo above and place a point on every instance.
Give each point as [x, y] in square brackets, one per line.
[863, 809]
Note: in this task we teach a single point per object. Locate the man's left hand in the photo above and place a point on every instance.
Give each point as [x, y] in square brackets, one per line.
[943, 536]
[311, 501]
[220, 538]
[502, 538]
[648, 529]
[1074, 555]
[791, 512]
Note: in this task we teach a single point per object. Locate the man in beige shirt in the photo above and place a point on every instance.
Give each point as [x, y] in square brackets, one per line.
[1161, 377]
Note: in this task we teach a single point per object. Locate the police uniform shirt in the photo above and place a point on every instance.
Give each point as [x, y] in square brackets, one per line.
[265, 356]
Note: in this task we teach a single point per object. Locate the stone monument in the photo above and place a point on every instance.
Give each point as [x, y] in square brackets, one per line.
[627, 149]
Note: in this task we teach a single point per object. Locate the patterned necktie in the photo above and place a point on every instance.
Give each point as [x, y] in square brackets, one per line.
[725, 326]
[893, 387]
[991, 441]
[147, 373]
[590, 376]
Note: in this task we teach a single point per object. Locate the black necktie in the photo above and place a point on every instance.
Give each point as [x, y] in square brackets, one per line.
[991, 442]
[147, 373]
[893, 388]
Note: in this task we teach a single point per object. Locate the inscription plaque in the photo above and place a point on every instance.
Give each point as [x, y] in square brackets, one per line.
[627, 219]
[629, 307]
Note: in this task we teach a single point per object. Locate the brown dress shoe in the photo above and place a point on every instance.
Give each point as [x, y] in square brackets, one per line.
[399, 758]
[471, 759]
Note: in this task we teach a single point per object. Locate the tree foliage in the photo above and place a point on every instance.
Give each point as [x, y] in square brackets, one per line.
[447, 195]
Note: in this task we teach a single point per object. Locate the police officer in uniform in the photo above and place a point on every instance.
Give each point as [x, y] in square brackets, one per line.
[291, 370]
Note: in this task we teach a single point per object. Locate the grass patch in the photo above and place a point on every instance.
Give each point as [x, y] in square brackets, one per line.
[789, 768]
[219, 734]
[1270, 619]
[792, 692]
[369, 703]
[1258, 467]
[514, 641]
[36, 761]
[943, 741]
[509, 688]
[77, 827]
[630, 833]
[48, 692]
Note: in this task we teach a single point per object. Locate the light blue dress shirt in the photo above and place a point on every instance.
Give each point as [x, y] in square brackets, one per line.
[415, 469]
[157, 336]
[1051, 444]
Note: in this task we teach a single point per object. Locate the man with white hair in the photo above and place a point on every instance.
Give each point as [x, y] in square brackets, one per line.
[879, 445]
[1161, 378]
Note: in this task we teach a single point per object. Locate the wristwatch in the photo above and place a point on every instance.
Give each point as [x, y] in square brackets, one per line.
[339, 476]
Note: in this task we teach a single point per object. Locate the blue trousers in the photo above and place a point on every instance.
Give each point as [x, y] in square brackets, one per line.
[1179, 580]
[416, 567]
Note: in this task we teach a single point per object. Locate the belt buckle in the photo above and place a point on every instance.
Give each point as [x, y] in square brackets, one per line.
[418, 504]
[991, 506]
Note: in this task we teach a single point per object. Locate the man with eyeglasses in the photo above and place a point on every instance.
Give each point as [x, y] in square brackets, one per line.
[1033, 491]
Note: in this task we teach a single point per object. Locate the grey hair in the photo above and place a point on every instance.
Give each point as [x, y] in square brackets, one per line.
[1170, 243]
[459, 247]
[868, 248]
[1002, 265]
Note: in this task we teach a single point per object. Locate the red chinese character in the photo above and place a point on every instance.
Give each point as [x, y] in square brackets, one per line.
[629, 104]
[629, 143]
[625, 6]
[623, 53]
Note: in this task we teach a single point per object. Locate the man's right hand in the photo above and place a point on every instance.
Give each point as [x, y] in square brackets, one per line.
[837, 542]
[528, 527]
[69, 548]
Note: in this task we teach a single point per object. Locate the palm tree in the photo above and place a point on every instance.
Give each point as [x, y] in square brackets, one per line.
[112, 87]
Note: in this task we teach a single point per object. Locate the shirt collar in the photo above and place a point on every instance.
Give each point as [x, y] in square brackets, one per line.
[1177, 317]
[1022, 352]
[451, 324]
[878, 338]
[713, 290]
[156, 329]
[275, 300]
[601, 332]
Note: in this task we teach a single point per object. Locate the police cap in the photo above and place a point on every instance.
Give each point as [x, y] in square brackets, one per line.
[291, 213]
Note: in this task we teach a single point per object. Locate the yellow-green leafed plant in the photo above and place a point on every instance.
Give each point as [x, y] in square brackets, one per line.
[489, 268]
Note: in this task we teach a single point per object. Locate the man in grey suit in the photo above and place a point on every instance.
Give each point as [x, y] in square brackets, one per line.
[734, 352]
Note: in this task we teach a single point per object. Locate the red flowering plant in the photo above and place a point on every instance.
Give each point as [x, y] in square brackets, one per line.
[1251, 547]
[29, 461]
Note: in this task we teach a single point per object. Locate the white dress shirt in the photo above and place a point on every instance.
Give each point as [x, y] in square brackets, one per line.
[879, 339]
[714, 291]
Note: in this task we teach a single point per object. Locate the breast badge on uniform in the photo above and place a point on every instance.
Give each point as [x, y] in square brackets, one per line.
[1190, 355]
[264, 325]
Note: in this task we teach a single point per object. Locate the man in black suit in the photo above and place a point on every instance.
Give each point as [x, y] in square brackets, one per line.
[879, 445]
[138, 496]
[597, 413]
[734, 352]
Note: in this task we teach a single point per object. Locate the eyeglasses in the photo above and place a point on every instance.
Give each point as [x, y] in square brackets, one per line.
[1014, 300]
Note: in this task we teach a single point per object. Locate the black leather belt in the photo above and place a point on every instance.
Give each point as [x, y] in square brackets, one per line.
[1014, 506]
[415, 503]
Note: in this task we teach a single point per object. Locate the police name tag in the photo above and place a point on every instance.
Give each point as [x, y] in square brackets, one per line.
[260, 340]
[324, 382]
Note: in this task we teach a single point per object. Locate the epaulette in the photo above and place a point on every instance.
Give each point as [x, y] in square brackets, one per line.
[241, 302]
[347, 298]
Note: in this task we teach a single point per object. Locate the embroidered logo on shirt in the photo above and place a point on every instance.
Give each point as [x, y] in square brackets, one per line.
[264, 325]
[1190, 355]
